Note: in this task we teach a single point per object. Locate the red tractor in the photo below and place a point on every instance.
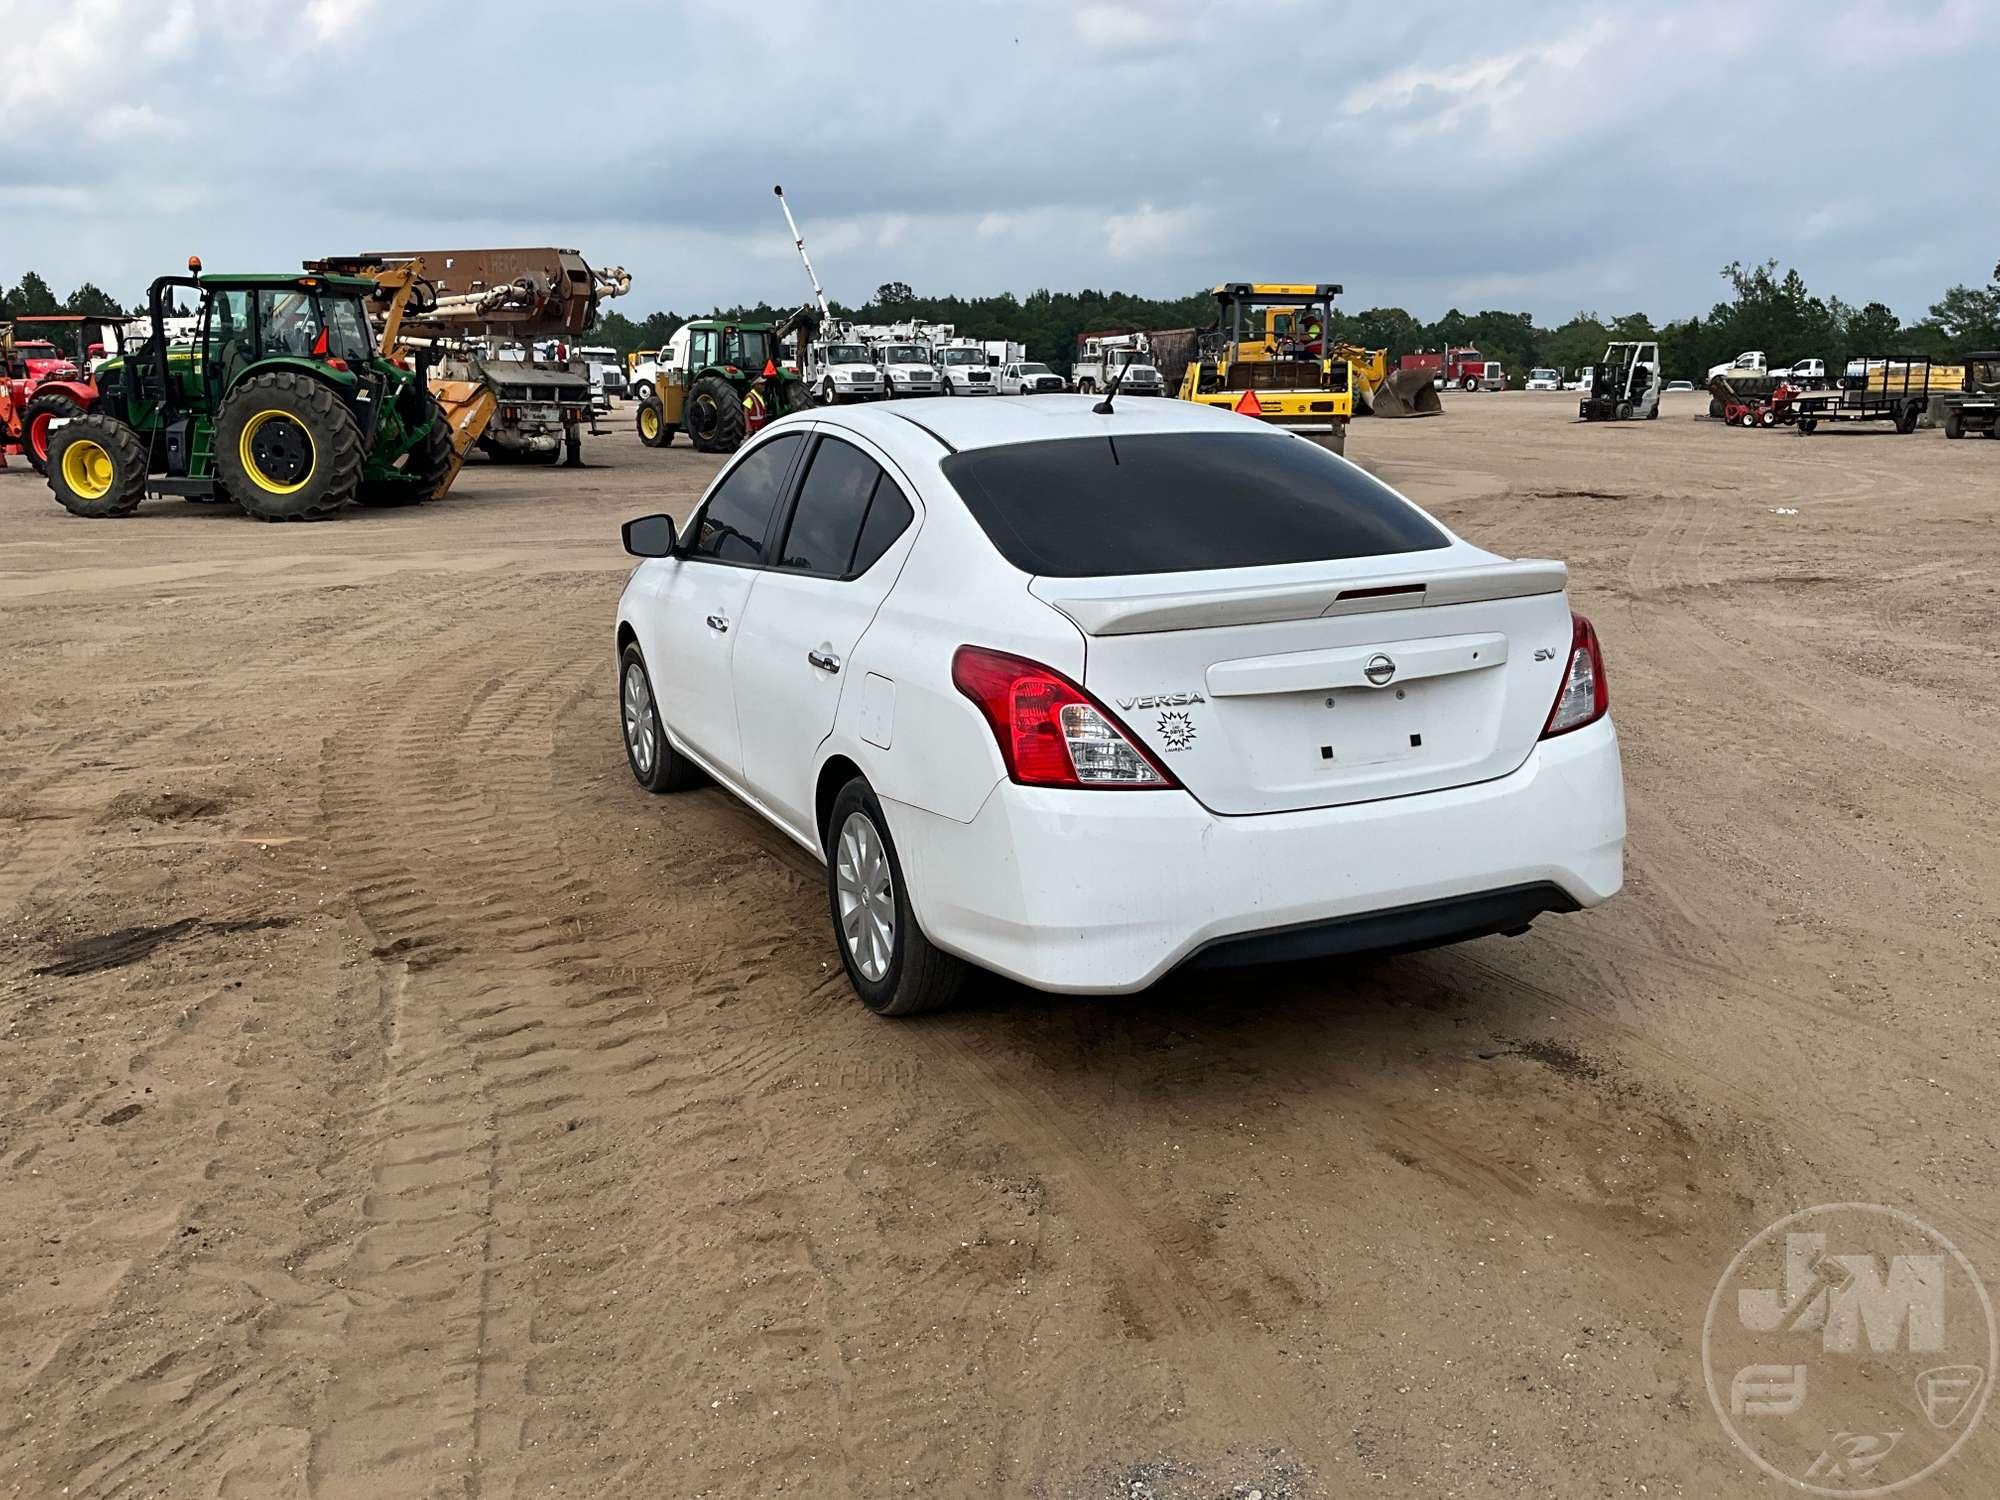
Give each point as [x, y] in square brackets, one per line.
[51, 378]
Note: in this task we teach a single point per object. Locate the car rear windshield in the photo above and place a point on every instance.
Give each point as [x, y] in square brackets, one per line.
[1180, 502]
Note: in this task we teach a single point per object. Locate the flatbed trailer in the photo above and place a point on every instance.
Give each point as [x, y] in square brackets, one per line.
[1879, 393]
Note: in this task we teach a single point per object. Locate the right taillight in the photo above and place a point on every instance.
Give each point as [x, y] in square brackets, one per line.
[1585, 693]
[1050, 731]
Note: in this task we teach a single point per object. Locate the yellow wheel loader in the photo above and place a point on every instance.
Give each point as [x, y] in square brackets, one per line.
[1382, 392]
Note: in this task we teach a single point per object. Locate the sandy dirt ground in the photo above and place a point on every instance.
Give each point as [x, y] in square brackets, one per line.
[394, 1101]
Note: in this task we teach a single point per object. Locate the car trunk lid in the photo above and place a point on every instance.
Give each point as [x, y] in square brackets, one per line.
[1278, 689]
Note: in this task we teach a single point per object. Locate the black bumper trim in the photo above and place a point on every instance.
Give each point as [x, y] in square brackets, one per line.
[1395, 929]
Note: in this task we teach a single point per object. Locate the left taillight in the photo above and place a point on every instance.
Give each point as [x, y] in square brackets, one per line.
[1049, 730]
[1585, 692]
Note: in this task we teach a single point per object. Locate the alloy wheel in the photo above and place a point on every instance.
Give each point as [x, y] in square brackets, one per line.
[866, 892]
[639, 735]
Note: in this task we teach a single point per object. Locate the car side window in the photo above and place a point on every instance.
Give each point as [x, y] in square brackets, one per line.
[889, 516]
[833, 503]
[848, 514]
[736, 520]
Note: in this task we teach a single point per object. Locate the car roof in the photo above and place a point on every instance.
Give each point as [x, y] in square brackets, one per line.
[963, 422]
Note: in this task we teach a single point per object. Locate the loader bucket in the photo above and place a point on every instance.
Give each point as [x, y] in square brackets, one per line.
[468, 405]
[1407, 393]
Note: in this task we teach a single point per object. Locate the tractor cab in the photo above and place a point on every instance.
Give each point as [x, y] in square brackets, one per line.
[84, 340]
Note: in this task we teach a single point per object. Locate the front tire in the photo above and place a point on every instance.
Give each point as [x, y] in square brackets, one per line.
[1954, 424]
[286, 449]
[655, 764]
[643, 391]
[652, 424]
[97, 467]
[893, 967]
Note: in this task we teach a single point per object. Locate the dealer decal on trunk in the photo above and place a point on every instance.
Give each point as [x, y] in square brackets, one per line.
[1176, 730]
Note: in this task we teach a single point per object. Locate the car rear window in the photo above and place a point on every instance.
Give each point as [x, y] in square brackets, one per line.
[1180, 502]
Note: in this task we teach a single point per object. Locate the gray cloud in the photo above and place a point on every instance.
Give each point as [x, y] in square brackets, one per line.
[1546, 159]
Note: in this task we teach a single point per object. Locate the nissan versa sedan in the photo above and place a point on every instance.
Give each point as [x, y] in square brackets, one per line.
[1083, 696]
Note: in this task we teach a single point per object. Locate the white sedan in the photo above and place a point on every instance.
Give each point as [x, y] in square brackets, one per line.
[1084, 697]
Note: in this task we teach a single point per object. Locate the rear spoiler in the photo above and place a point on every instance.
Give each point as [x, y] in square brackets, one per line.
[1108, 607]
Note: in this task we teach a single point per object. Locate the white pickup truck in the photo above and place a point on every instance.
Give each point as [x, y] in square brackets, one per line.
[1807, 373]
[1750, 362]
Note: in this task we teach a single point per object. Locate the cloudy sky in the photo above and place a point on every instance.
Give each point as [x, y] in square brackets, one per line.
[1546, 158]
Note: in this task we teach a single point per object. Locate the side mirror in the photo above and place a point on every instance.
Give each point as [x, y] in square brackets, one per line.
[650, 536]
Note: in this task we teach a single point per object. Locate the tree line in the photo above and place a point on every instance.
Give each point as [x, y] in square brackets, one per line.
[1764, 309]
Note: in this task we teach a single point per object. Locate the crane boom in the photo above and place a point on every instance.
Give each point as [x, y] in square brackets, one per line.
[799, 242]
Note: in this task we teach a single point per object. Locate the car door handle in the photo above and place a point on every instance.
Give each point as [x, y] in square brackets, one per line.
[719, 623]
[826, 661]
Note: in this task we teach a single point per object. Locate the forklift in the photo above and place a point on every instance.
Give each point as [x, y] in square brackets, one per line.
[1624, 385]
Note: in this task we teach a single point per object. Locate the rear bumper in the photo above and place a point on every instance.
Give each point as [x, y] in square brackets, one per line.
[1105, 892]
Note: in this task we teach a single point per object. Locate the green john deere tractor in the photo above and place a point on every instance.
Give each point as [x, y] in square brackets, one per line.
[281, 404]
[707, 373]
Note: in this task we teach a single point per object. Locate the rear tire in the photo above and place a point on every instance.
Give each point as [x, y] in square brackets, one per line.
[97, 467]
[286, 449]
[894, 968]
[1954, 424]
[1906, 419]
[655, 764]
[35, 416]
[714, 416]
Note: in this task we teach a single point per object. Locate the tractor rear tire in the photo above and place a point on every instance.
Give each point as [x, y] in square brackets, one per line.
[654, 429]
[714, 416]
[35, 416]
[424, 466]
[287, 449]
[97, 467]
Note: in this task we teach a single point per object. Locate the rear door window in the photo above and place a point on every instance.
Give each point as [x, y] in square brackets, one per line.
[736, 521]
[1180, 502]
[848, 513]
[833, 502]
